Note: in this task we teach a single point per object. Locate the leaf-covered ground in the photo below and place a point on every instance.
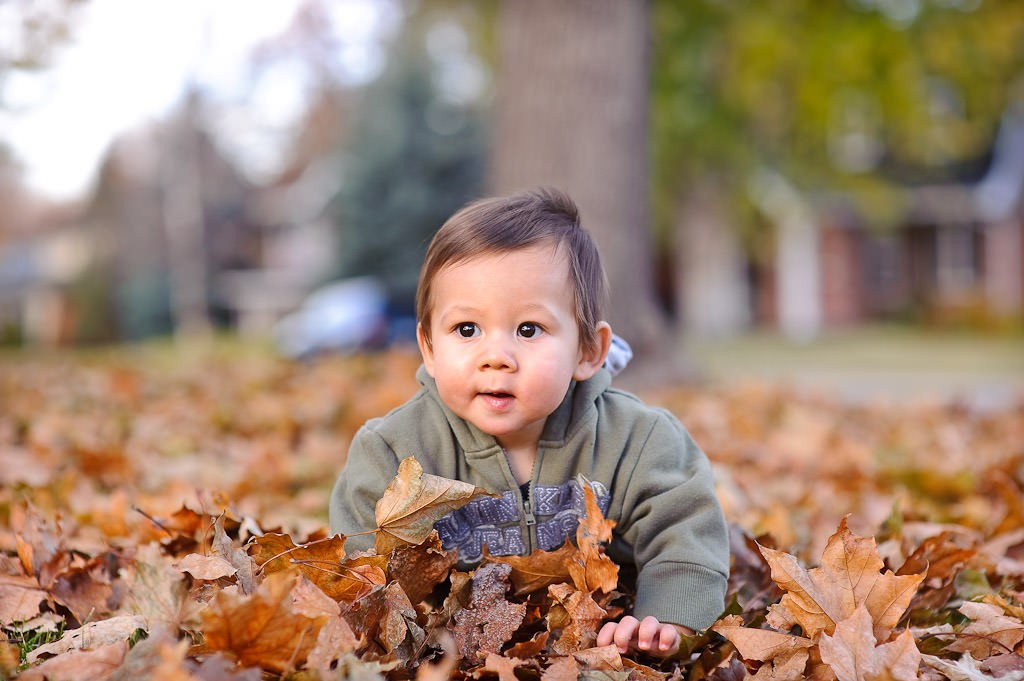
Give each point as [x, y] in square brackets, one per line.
[163, 517]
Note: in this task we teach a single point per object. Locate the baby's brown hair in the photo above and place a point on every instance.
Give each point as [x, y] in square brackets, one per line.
[503, 224]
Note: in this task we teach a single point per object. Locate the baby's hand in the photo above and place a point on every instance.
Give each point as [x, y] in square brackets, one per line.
[649, 636]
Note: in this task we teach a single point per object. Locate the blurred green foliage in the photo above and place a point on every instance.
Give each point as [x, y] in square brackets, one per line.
[857, 96]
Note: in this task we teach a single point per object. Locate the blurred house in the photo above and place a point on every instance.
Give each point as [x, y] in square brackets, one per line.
[956, 256]
[171, 229]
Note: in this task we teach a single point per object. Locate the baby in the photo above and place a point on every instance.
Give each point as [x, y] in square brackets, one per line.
[516, 399]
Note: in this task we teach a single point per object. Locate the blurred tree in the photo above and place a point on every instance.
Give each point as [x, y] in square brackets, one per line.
[415, 155]
[572, 111]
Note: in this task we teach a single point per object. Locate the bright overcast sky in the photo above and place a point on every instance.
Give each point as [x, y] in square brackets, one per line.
[128, 61]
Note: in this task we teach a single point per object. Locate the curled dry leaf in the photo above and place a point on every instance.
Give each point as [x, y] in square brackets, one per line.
[590, 568]
[762, 645]
[414, 501]
[575, 617]
[386, 619]
[539, 570]
[322, 562]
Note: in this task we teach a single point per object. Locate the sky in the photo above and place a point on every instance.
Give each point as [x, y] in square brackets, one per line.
[128, 62]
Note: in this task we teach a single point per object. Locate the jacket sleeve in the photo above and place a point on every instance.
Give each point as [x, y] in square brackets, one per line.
[370, 466]
[675, 526]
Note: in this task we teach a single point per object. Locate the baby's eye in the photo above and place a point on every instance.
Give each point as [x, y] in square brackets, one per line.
[467, 329]
[528, 330]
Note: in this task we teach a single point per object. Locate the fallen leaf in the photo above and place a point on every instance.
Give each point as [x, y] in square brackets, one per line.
[489, 619]
[20, 597]
[539, 570]
[590, 568]
[91, 635]
[157, 658]
[853, 655]
[504, 667]
[322, 562]
[989, 632]
[850, 575]
[235, 556]
[387, 618]
[414, 501]
[420, 568]
[156, 590]
[334, 640]
[206, 567]
[96, 664]
[532, 648]
[261, 629]
[562, 669]
[762, 645]
[574, 617]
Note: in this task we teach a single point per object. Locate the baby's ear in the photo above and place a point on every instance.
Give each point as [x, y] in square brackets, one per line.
[426, 349]
[592, 357]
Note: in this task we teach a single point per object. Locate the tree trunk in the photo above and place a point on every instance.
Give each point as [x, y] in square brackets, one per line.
[572, 112]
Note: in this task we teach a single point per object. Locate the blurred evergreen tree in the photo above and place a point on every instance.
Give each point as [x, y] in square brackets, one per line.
[415, 156]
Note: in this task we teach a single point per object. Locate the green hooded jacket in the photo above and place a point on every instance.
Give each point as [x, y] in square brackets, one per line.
[649, 475]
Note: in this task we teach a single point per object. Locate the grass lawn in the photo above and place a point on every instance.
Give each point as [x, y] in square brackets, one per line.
[876, 362]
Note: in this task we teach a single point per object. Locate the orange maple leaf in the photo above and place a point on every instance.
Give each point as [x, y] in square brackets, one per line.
[850, 575]
[261, 630]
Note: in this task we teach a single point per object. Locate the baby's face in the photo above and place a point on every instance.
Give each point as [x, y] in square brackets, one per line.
[505, 343]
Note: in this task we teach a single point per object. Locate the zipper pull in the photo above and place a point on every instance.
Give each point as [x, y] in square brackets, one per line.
[530, 518]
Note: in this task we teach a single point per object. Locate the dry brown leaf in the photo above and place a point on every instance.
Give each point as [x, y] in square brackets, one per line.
[489, 620]
[762, 645]
[562, 669]
[504, 667]
[422, 567]
[601, 658]
[156, 590]
[574, 617]
[323, 563]
[206, 567]
[414, 501]
[91, 635]
[853, 655]
[532, 648]
[261, 629]
[385, 617]
[990, 632]
[155, 658]
[96, 664]
[235, 556]
[590, 568]
[334, 640]
[850, 575]
[309, 600]
[539, 570]
[20, 597]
